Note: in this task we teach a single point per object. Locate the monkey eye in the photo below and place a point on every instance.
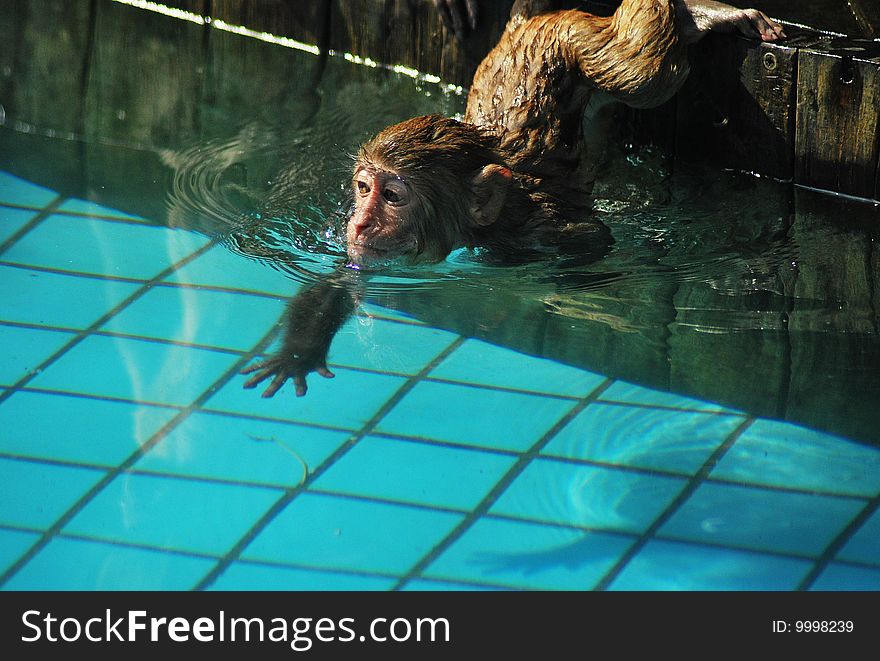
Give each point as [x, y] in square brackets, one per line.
[363, 187]
[391, 196]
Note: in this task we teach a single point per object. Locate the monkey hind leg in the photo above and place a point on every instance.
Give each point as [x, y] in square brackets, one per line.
[636, 56]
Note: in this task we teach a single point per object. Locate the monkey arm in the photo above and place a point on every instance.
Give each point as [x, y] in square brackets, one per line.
[313, 317]
[699, 17]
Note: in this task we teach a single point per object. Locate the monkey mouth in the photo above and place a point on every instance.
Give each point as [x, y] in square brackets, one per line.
[364, 254]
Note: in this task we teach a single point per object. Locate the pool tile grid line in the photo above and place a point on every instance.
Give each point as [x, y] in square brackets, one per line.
[693, 483]
[95, 325]
[819, 561]
[57, 207]
[167, 284]
[838, 543]
[133, 280]
[429, 378]
[40, 216]
[867, 511]
[125, 336]
[575, 398]
[195, 287]
[292, 492]
[262, 563]
[123, 543]
[112, 473]
[624, 468]
[500, 487]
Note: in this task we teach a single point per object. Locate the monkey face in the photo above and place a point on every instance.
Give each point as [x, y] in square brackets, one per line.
[378, 230]
[422, 188]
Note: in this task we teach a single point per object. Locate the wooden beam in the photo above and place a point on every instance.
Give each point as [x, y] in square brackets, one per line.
[838, 124]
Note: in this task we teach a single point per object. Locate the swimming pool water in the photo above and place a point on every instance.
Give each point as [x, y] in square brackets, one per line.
[452, 450]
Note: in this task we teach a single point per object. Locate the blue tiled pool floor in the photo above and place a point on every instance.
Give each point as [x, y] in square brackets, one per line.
[132, 458]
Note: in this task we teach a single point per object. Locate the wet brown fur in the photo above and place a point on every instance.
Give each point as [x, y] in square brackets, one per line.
[525, 112]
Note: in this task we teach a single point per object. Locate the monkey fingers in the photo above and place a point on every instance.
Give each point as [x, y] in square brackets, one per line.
[757, 24]
[282, 370]
[272, 367]
[299, 380]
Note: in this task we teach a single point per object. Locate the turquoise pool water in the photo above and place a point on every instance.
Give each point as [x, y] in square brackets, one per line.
[696, 411]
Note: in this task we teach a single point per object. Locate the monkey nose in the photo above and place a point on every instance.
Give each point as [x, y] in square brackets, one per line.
[360, 226]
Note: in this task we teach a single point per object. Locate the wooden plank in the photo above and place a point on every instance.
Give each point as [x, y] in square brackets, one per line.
[138, 92]
[45, 57]
[737, 108]
[411, 33]
[304, 21]
[837, 141]
[395, 32]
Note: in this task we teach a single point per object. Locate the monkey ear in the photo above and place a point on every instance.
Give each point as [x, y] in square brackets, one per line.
[490, 188]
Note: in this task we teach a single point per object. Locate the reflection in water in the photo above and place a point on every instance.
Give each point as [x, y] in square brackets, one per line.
[719, 286]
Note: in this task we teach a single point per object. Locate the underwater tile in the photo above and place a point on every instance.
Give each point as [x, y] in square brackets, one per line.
[77, 429]
[241, 449]
[103, 247]
[210, 318]
[621, 391]
[415, 473]
[529, 556]
[135, 369]
[12, 220]
[13, 544]
[346, 533]
[220, 267]
[14, 190]
[50, 299]
[485, 418]
[556, 492]
[761, 519]
[24, 350]
[252, 576]
[348, 401]
[864, 545]
[172, 513]
[87, 208]
[34, 494]
[76, 564]
[662, 565]
[781, 454]
[486, 364]
[676, 441]
[387, 346]
[840, 577]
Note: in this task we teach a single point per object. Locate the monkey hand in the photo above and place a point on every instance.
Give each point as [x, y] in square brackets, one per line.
[454, 13]
[284, 366]
[313, 318]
